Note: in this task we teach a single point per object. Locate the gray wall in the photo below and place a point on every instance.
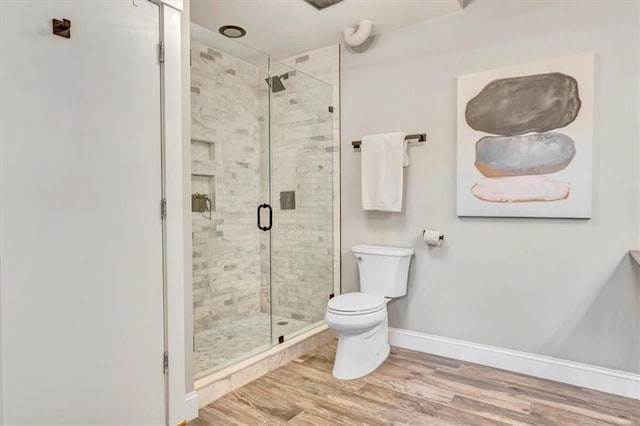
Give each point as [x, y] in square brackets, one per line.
[562, 288]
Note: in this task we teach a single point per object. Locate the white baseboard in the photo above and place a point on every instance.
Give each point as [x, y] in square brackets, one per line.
[191, 406]
[559, 370]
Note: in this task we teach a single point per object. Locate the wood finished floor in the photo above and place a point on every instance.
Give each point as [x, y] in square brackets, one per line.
[413, 388]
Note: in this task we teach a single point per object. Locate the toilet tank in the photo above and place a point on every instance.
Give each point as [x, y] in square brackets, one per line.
[383, 270]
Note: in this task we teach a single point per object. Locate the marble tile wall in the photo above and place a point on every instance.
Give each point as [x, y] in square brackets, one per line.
[291, 270]
[225, 105]
[324, 64]
[305, 153]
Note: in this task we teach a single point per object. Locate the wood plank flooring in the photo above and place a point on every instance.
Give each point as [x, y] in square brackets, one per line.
[415, 389]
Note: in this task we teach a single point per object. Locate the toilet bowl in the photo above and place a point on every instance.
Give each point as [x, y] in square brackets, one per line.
[360, 318]
[363, 343]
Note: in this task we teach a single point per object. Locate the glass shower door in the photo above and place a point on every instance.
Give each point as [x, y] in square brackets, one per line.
[302, 177]
[262, 179]
[230, 177]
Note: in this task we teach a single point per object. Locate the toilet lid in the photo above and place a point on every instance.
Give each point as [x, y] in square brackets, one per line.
[356, 303]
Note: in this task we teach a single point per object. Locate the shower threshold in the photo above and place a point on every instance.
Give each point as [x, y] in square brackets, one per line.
[233, 341]
[217, 384]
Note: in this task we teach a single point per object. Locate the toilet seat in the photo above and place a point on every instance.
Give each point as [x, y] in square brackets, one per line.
[356, 304]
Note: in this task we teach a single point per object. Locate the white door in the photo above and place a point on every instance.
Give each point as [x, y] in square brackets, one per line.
[80, 226]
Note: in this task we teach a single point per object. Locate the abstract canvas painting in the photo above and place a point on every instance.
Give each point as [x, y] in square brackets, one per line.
[525, 140]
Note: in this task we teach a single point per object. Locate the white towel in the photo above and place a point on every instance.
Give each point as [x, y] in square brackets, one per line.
[383, 157]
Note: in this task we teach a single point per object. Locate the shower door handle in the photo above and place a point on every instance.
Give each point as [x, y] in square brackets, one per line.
[265, 206]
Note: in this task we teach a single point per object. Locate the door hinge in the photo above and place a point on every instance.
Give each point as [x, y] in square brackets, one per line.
[161, 52]
[163, 208]
[165, 363]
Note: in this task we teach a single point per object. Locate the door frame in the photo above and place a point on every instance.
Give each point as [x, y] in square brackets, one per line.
[180, 405]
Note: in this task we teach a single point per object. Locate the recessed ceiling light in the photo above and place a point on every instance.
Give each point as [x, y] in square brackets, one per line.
[232, 31]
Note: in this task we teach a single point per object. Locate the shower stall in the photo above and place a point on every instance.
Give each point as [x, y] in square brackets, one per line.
[262, 178]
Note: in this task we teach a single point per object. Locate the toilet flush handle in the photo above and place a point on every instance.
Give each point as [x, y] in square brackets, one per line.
[358, 258]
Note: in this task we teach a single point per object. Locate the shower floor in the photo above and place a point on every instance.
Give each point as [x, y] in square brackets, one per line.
[228, 343]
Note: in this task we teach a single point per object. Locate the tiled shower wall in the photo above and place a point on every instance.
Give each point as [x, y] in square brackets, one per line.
[234, 274]
[225, 105]
[305, 144]
[324, 64]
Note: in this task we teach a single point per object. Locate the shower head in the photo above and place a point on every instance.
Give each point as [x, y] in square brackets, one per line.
[275, 82]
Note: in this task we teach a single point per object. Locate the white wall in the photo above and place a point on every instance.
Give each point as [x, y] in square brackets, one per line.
[563, 288]
[82, 300]
[82, 267]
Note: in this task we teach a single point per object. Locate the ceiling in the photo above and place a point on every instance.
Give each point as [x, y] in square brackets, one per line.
[285, 28]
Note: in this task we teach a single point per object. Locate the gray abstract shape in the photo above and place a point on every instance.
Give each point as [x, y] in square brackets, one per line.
[534, 154]
[518, 105]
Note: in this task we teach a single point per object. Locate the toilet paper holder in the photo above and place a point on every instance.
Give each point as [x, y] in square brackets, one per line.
[441, 237]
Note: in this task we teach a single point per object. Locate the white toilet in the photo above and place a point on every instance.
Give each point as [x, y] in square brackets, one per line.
[361, 318]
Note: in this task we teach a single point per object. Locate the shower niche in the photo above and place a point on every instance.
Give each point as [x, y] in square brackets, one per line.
[203, 177]
[259, 129]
